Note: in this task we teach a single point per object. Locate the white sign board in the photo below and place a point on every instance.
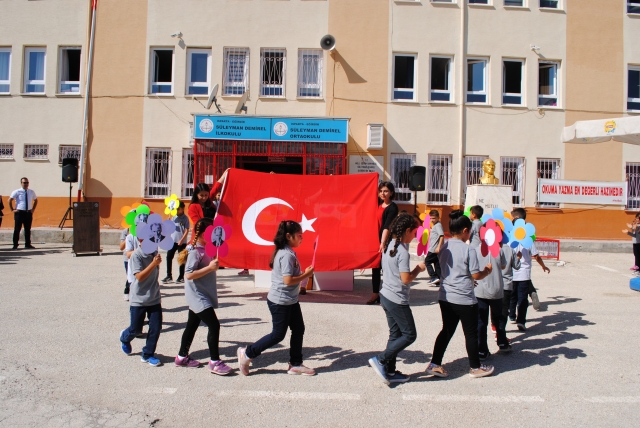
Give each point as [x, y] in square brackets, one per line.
[582, 192]
[490, 196]
[366, 163]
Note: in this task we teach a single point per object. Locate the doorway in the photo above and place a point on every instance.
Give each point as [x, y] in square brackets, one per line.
[277, 164]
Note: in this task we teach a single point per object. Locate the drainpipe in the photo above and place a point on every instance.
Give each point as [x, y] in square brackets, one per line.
[462, 60]
[83, 148]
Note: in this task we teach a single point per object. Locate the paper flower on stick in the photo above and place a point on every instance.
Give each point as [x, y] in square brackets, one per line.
[156, 233]
[503, 220]
[216, 237]
[467, 212]
[136, 217]
[490, 235]
[522, 234]
[171, 204]
[422, 235]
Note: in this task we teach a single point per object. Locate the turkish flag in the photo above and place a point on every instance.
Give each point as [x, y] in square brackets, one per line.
[339, 208]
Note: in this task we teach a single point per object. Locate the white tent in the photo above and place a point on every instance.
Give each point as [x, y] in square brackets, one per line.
[623, 129]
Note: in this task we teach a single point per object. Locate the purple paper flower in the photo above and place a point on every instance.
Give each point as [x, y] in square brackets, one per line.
[156, 233]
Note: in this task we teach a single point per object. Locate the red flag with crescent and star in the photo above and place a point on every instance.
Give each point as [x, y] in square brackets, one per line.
[340, 208]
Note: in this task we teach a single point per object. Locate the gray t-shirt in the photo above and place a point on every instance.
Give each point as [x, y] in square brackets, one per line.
[182, 224]
[513, 262]
[392, 286]
[200, 293]
[131, 244]
[147, 291]
[474, 239]
[434, 237]
[524, 273]
[634, 234]
[491, 287]
[285, 263]
[458, 262]
[123, 237]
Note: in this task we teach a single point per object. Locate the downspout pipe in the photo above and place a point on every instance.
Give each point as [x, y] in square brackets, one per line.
[85, 122]
[463, 107]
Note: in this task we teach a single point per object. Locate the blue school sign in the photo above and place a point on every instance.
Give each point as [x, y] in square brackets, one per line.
[319, 130]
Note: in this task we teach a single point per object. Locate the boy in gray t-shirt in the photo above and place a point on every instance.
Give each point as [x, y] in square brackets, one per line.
[476, 214]
[145, 301]
[436, 239]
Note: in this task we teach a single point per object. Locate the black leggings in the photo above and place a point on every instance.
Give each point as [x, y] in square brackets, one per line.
[208, 316]
[636, 252]
[451, 315]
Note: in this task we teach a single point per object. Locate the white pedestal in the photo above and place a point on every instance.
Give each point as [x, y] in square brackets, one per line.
[489, 197]
[328, 281]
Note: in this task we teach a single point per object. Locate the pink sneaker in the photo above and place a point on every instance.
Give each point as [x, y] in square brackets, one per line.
[634, 268]
[244, 272]
[243, 361]
[219, 368]
[301, 370]
[186, 362]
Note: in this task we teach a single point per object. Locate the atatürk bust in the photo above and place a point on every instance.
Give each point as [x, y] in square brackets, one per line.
[489, 168]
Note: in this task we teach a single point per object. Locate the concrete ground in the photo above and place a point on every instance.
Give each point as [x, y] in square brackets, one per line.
[61, 363]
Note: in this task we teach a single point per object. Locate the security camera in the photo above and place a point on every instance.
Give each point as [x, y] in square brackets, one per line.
[535, 48]
[178, 34]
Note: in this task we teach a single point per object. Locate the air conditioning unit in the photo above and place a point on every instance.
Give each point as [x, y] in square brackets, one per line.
[375, 136]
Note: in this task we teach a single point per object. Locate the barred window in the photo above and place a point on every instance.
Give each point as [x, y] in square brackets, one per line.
[550, 169]
[400, 165]
[68, 152]
[472, 171]
[157, 173]
[310, 73]
[187, 173]
[236, 71]
[36, 151]
[512, 174]
[273, 64]
[439, 180]
[6, 151]
[633, 185]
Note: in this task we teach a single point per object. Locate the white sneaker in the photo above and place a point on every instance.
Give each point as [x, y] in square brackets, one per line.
[435, 281]
[125, 297]
[482, 371]
[535, 300]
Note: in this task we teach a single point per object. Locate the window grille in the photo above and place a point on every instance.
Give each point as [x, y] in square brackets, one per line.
[68, 152]
[439, 180]
[273, 65]
[512, 174]
[5, 70]
[549, 169]
[400, 165]
[36, 151]
[310, 73]
[633, 186]
[472, 171]
[236, 71]
[187, 173]
[157, 173]
[6, 151]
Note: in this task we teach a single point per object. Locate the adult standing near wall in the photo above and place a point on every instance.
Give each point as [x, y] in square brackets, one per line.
[387, 211]
[23, 203]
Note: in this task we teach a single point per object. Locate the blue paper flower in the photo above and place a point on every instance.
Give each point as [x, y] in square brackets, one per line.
[521, 234]
[156, 233]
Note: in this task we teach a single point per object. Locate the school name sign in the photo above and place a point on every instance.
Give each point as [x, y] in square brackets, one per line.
[582, 192]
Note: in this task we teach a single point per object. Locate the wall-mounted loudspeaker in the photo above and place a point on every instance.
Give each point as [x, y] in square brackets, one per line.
[417, 178]
[70, 170]
[328, 42]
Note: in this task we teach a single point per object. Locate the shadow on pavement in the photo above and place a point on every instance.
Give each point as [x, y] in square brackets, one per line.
[10, 256]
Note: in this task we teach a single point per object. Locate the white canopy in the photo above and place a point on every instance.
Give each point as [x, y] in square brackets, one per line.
[623, 129]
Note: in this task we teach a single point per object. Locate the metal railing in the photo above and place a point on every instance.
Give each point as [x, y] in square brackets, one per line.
[439, 180]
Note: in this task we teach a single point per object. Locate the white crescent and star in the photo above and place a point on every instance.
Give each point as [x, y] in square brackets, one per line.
[252, 213]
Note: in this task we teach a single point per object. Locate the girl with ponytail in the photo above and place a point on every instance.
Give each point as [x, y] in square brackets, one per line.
[394, 296]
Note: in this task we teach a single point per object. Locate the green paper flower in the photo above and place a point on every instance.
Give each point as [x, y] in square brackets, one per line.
[134, 218]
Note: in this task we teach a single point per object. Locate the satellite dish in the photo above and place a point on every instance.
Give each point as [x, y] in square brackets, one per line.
[212, 98]
[328, 42]
[241, 104]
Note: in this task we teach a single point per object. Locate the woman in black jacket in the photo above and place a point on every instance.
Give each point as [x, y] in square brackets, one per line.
[387, 211]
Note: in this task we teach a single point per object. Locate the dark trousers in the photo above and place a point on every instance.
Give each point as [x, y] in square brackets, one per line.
[451, 315]
[170, 254]
[209, 318]
[282, 317]
[137, 320]
[402, 332]
[432, 259]
[375, 279]
[636, 251]
[506, 305]
[520, 301]
[126, 284]
[22, 218]
[495, 305]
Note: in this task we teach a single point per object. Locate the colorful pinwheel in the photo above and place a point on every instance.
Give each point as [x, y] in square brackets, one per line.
[502, 219]
[136, 217]
[522, 234]
[422, 235]
[156, 233]
[216, 237]
[171, 204]
[490, 235]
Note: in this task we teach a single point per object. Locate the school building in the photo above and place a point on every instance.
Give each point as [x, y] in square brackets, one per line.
[438, 83]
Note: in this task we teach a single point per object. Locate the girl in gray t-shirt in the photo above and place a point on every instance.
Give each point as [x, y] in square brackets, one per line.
[202, 298]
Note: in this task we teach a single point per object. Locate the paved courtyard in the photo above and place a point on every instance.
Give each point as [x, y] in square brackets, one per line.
[61, 363]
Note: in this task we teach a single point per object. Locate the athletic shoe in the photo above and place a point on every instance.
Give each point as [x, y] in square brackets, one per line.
[379, 369]
[180, 280]
[186, 362]
[512, 320]
[521, 327]
[15, 247]
[482, 371]
[483, 355]
[243, 361]
[301, 370]
[493, 328]
[435, 281]
[436, 370]
[303, 291]
[125, 297]
[126, 347]
[535, 300]
[153, 361]
[398, 377]
[505, 348]
[167, 279]
[30, 247]
[244, 272]
[633, 268]
[219, 368]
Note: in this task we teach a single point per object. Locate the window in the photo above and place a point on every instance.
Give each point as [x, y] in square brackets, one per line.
[550, 4]
[5, 70]
[6, 151]
[477, 81]
[478, 1]
[548, 84]
[236, 71]
[273, 64]
[443, 1]
[439, 180]
[400, 164]
[310, 73]
[633, 6]
[187, 173]
[441, 79]
[198, 71]
[157, 173]
[550, 169]
[633, 185]
[161, 71]
[512, 82]
[69, 73]
[68, 152]
[633, 89]
[404, 77]
[34, 70]
[512, 174]
[36, 151]
[472, 171]
[514, 3]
